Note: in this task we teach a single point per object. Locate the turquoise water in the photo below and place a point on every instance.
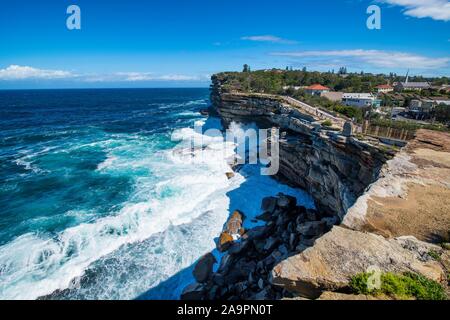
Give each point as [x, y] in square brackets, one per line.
[97, 199]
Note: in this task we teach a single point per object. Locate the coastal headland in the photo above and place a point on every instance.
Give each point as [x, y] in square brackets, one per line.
[381, 210]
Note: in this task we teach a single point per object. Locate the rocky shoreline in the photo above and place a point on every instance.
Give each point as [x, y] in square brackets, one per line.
[245, 269]
[308, 254]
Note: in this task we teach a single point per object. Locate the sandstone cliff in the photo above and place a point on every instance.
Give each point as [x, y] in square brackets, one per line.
[333, 168]
[390, 205]
[388, 228]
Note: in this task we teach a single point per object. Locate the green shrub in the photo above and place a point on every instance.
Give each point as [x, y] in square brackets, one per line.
[327, 123]
[358, 283]
[434, 255]
[401, 286]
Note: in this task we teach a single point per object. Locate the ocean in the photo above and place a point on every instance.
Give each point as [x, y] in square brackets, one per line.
[98, 201]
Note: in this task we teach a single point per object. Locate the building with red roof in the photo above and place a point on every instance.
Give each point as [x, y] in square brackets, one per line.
[384, 88]
[317, 89]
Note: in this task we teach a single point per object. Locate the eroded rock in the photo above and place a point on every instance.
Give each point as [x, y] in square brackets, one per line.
[195, 291]
[204, 268]
[342, 253]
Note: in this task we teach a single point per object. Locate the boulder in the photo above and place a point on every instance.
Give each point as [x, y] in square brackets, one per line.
[285, 201]
[257, 233]
[330, 221]
[343, 253]
[261, 283]
[234, 223]
[238, 247]
[229, 175]
[225, 263]
[233, 230]
[266, 216]
[225, 241]
[193, 291]
[218, 279]
[264, 294]
[269, 204]
[212, 293]
[312, 215]
[270, 244]
[312, 228]
[204, 268]
[283, 249]
[292, 240]
[241, 286]
[240, 271]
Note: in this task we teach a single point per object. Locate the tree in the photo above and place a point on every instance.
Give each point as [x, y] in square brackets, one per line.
[342, 70]
[246, 68]
[442, 113]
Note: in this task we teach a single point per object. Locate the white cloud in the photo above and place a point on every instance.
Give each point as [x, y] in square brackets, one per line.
[178, 77]
[434, 9]
[146, 76]
[15, 72]
[376, 58]
[268, 38]
[133, 76]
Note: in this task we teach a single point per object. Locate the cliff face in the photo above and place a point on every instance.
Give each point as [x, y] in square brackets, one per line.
[389, 228]
[389, 203]
[333, 168]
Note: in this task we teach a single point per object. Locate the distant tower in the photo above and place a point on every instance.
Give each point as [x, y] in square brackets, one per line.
[407, 77]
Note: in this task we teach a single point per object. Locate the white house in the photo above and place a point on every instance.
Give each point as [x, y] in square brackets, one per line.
[421, 109]
[360, 100]
[317, 89]
[384, 88]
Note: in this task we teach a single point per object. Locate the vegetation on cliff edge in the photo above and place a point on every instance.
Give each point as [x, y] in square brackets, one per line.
[399, 286]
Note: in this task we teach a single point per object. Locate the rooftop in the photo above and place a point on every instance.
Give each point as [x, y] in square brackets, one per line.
[358, 96]
[317, 87]
[415, 84]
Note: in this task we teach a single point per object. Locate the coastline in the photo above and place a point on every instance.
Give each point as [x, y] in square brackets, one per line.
[287, 271]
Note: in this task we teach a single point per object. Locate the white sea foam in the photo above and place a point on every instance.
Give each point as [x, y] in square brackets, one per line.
[34, 265]
[27, 158]
[107, 163]
[177, 197]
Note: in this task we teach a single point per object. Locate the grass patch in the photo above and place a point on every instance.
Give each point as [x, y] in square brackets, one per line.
[400, 286]
[327, 123]
[436, 256]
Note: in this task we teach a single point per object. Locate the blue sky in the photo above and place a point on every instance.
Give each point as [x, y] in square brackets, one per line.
[180, 43]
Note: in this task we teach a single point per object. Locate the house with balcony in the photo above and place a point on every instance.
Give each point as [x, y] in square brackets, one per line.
[360, 100]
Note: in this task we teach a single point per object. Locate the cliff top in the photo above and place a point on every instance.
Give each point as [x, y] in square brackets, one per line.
[412, 195]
